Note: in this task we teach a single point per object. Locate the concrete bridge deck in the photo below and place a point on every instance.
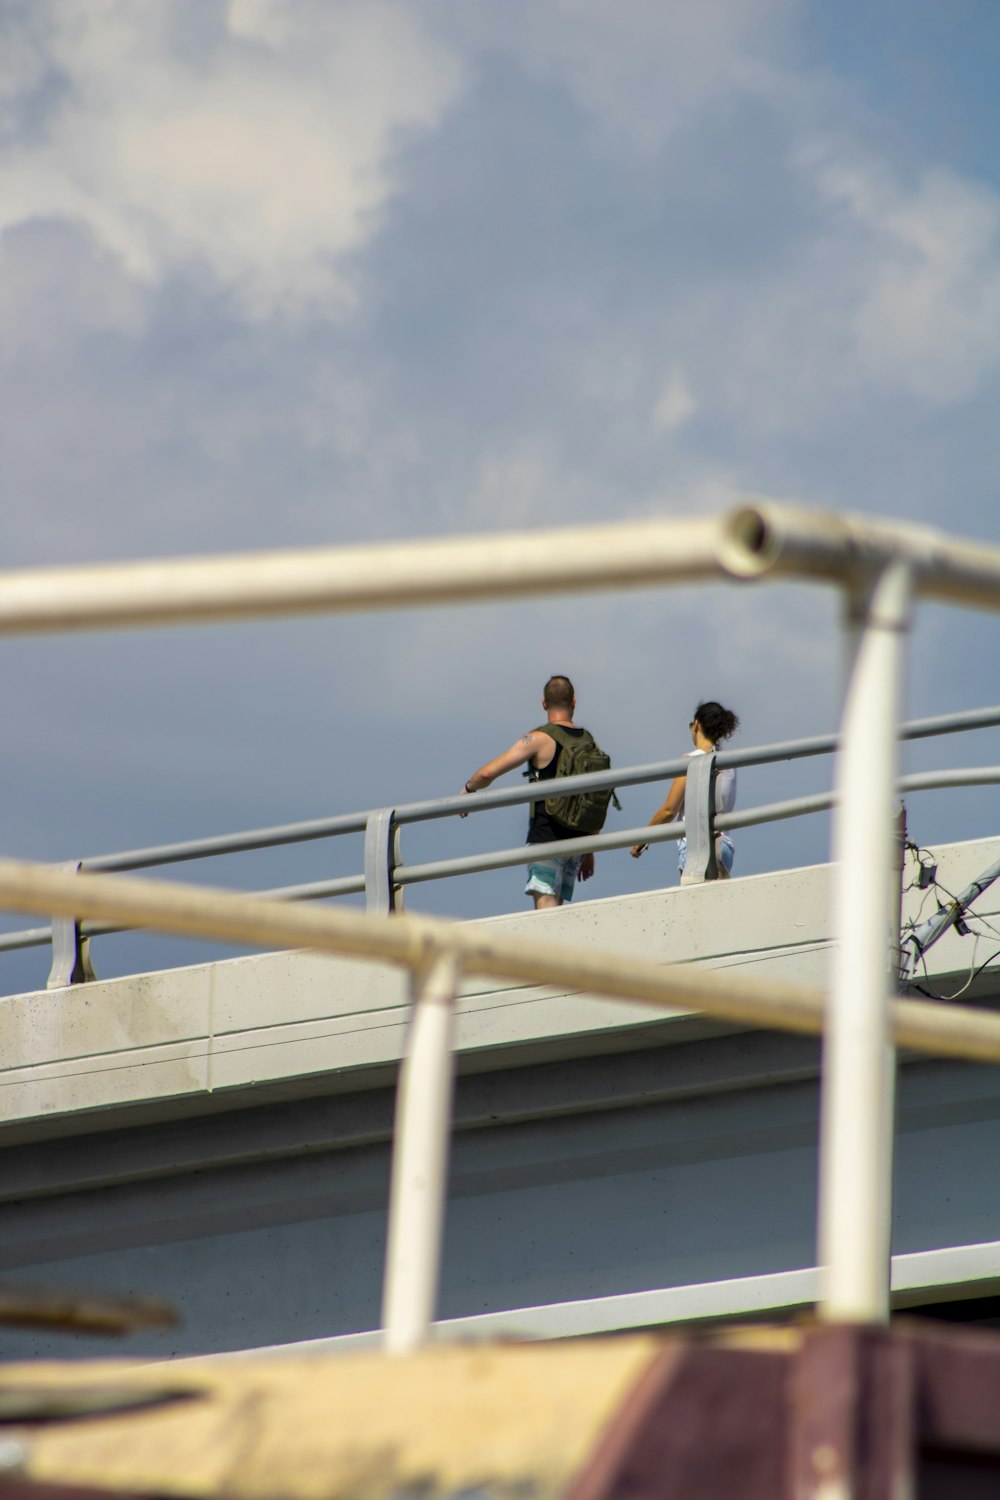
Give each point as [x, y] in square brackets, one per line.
[219, 1135]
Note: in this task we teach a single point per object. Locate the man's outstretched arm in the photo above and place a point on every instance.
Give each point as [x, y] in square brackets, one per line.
[528, 746]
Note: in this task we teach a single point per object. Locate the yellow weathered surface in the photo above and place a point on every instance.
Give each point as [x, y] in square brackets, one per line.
[517, 1419]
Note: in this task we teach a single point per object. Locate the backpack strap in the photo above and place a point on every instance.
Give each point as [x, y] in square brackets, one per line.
[557, 732]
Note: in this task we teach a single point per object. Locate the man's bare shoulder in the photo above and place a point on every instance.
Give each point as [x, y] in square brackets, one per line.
[532, 743]
[543, 747]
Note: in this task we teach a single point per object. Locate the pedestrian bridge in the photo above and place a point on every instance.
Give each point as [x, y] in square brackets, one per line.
[220, 1135]
[629, 1146]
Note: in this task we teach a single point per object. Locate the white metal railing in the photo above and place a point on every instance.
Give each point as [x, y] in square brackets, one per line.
[385, 872]
[882, 571]
[326, 580]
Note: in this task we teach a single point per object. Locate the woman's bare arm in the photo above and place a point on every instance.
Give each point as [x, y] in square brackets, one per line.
[666, 814]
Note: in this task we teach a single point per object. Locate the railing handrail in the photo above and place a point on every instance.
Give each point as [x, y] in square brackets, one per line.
[622, 838]
[229, 843]
[522, 854]
[512, 796]
[758, 539]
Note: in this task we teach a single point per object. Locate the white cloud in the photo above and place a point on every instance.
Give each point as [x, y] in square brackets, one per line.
[648, 66]
[259, 20]
[675, 405]
[928, 315]
[22, 63]
[886, 290]
[266, 157]
[56, 285]
[517, 487]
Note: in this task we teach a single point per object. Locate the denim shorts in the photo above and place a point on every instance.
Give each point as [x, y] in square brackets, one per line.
[723, 855]
[553, 877]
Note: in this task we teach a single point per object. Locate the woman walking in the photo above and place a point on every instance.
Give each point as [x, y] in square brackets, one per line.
[710, 726]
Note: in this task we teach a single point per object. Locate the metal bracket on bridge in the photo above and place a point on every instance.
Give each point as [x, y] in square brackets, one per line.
[381, 859]
[70, 950]
[699, 819]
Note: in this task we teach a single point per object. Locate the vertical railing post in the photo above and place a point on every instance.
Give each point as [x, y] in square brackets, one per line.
[418, 1190]
[857, 1103]
[699, 819]
[381, 859]
[70, 950]
[897, 894]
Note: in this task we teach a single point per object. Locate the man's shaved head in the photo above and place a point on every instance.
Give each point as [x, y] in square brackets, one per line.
[558, 692]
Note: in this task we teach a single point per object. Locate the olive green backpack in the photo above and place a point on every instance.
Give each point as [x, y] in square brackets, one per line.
[579, 754]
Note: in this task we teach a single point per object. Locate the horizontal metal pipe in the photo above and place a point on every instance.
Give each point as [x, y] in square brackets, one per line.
[758, 539]
[826, 744]
[775, 812]
[926, 781]
[314, 890]
[768, 539]
[388, 576]
[28, 937]
[796, 807]
[229, 843]
[502, 859]
[975, 718]
[413, 942]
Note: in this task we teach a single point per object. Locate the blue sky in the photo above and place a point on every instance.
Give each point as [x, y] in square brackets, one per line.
[283, 272]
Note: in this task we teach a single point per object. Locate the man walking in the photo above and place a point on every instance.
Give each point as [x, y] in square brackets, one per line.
[550, 881]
